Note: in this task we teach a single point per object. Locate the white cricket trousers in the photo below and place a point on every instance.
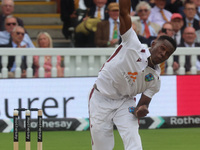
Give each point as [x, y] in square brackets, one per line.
[105, 112]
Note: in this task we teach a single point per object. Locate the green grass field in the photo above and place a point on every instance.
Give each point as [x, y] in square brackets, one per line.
[157, 139]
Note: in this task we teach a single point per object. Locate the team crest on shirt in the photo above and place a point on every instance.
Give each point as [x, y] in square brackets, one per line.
[149, 77]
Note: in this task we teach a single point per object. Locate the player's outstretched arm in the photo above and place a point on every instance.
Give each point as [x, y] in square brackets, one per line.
[124, 15]
[142, 108]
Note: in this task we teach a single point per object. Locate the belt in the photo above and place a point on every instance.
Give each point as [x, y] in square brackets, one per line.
[95, 87]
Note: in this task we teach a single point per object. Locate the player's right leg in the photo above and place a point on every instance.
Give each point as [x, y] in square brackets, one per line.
[101, 126]
[127, 125]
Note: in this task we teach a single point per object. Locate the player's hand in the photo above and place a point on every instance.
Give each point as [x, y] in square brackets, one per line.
[141, 111]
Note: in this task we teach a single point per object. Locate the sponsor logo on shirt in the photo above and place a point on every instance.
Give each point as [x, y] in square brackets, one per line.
[130, 77]
[133, 75]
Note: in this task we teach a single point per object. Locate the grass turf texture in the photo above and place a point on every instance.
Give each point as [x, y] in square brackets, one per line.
[157, 139]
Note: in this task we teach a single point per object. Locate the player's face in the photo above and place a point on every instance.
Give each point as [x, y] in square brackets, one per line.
[161, 51]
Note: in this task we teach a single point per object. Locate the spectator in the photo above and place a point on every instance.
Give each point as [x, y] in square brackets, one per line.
[71, 14]
[197, 15]
[198, 36]
[174, 6]
[145, 27]
[99, 10]
[151, 2]
[189, 36]
[107, 34]
[177, 23]
[82, 7]
[7, 7]
[167, 28]
[158, 14]
[68, 16]
[44, 40]
[142, 39]
[17, 36]
[190, 11]
[5, 38]
[85, 31]
[83, 4]
[133, 5]
[191, 14]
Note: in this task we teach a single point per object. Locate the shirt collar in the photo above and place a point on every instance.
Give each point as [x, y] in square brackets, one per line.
[6, 32]
[111, 20]
[142, 21]
[101, 7]
[187, 45]
[157, 8]
[187, 21]
[15, 45]
[178, 33]
[198, 8]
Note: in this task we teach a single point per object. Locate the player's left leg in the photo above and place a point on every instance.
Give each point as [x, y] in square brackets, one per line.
[127, 125]
[101, 125]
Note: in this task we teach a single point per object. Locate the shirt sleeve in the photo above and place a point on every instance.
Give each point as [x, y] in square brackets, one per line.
[130, 39]
[150, 92]
[28, 41]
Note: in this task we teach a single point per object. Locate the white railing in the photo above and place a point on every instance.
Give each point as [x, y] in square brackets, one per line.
[80, 61]
[182, 52]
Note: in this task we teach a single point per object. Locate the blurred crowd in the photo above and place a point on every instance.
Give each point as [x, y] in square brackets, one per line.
[95, 23]
[14, 35]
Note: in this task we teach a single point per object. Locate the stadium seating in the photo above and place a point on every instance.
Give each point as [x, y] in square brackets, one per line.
[42, 15]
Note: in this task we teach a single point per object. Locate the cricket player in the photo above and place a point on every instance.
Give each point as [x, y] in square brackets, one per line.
[132, 69]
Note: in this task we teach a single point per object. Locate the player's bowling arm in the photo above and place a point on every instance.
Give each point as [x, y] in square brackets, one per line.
[142, 108]
[144, 100]
[124, 15]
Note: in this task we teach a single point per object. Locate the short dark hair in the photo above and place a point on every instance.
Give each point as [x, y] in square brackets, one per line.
[188, 2]
[168, 38]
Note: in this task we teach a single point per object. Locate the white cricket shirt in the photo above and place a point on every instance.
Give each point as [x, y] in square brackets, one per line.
[126, 73]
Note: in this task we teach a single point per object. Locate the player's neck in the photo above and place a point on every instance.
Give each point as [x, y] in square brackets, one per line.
[150, 63]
